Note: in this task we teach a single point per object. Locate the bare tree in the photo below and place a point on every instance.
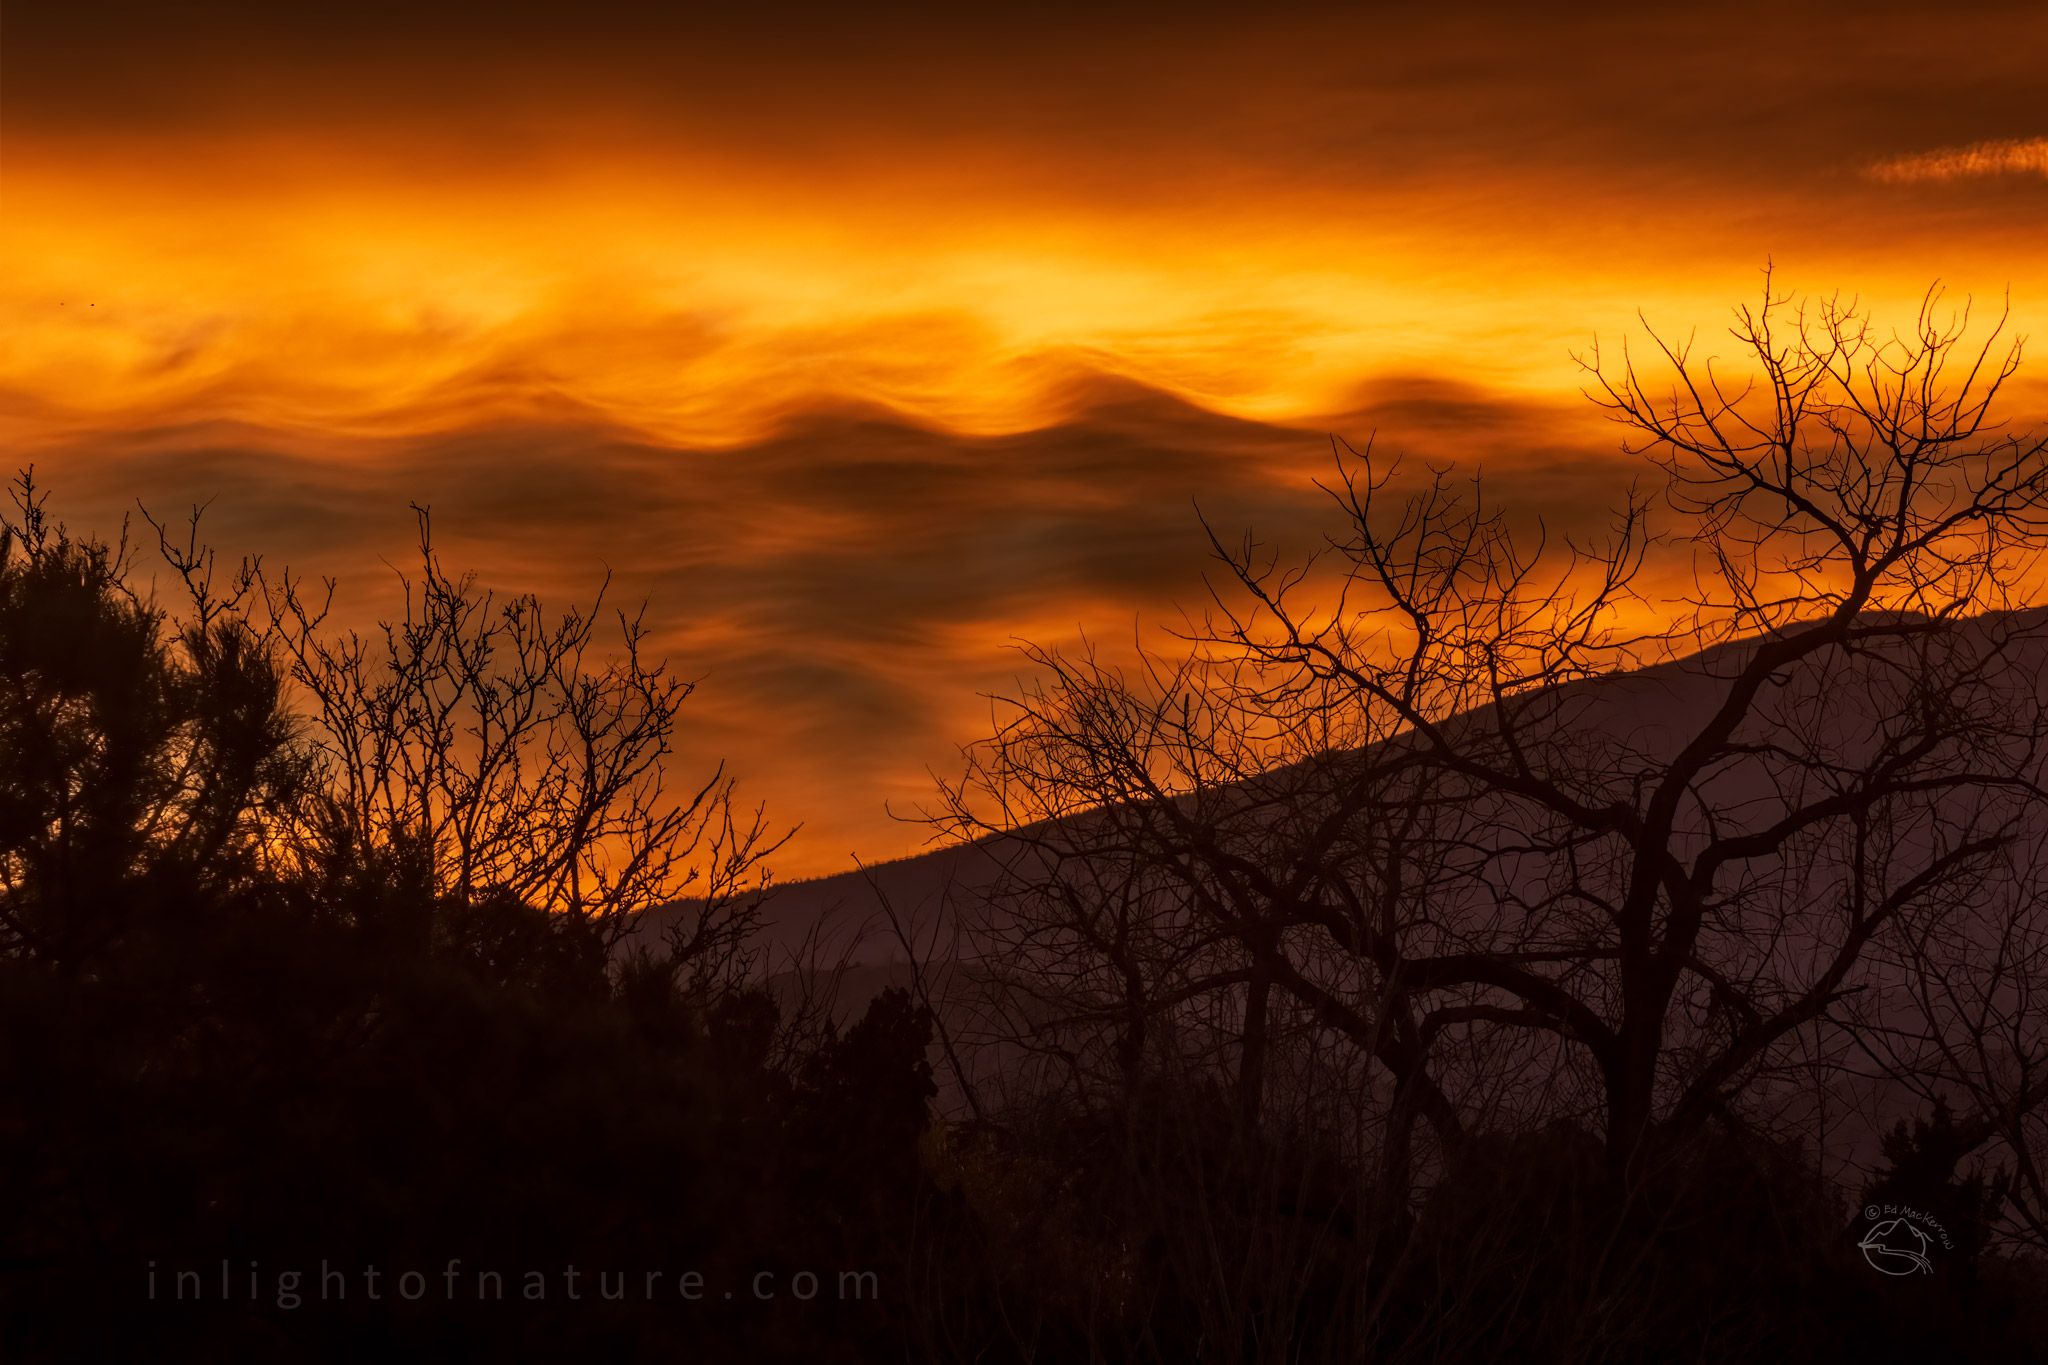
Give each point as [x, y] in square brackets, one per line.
[1544, 828]
[492, 750]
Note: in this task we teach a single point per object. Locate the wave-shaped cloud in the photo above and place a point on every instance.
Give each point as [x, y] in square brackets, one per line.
[1976, 160]
[846, 586]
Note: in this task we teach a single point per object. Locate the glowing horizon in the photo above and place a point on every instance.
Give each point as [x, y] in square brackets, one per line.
[863, 368]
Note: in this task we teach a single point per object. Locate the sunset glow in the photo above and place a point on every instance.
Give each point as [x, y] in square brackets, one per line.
[861, 373]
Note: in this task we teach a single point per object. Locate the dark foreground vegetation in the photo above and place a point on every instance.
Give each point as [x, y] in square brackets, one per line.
[1325, 1025]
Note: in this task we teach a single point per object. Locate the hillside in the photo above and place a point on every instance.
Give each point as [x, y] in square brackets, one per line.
[863, 917]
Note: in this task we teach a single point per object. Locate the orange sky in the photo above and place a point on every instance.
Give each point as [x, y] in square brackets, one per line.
[866, 341]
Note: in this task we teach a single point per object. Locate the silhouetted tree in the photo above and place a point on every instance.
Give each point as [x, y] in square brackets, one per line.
[276, 986]
[484, 745]
[1455, 831]
[140, 760]
[1925, 1170]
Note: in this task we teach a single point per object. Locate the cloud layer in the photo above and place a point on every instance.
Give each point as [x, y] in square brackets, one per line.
[865, 338]
[847, 587]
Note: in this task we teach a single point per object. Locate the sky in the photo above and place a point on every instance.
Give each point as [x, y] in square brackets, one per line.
[866, 341]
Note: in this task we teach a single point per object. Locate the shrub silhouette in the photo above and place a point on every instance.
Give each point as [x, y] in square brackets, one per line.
[1921, 1172]
[132, 755]
[227, 1037]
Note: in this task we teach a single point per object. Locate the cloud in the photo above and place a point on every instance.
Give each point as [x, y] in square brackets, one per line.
[848, 586]
[863, 338]
[2007, 156]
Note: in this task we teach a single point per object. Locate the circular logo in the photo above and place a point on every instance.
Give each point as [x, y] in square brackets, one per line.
[1897, 1247]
